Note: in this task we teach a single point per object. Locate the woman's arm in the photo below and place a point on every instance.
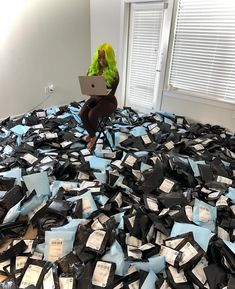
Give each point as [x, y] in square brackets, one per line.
[114, 86]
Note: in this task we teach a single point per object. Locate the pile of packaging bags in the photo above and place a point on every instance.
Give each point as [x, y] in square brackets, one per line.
[154, 207]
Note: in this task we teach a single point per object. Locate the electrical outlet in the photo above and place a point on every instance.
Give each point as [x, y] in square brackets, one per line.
[49, 89]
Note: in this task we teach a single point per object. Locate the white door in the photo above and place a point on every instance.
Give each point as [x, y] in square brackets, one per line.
[145, 55]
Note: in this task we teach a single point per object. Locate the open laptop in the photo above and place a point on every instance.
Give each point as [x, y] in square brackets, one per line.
[93, 85]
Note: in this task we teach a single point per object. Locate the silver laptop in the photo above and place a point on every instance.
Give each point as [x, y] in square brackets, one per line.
[93, 85]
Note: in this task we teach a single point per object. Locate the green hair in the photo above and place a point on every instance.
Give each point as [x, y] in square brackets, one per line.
[110, 72]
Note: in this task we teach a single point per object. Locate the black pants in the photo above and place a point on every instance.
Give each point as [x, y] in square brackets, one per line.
[94, 108]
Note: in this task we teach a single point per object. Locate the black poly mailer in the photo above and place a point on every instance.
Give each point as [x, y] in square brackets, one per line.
[172, 199]
[103, 274]
[177, 279]
[6, 183]
[33, 273]
[216, 276]
[59, 207]
[97, 241]
[13, 251]
[12, 197]
[152, 178]
[66, 262]
[191, 253]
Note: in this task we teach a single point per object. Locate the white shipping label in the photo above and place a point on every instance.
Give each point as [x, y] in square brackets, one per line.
[117, 163]
[103, 218]
[120, 286]
[180, 120]
[164, 212]
[20, 262]
[101, 274]
[96, 225]
[118, 199]
[160, 238]
[169, 145]
[214, 195]
[165, 285]
[83, 176]
[233, 209]
[133, 252]
[31, 276]
[222, 201]
[55, 249]
[198, 271]
[132, 221]
[224, 235]
[206, 191]
[146, 246]
[169, 254]
[204, 213]
[134, 285]
[133, 241]
[4, 264]
[166, 185]
[66, 282]
[48, 280]
[153, 128]
[189, 212]
[130, 160]
[85, 152]
[173, 243]
[41, 114]
[86, 205]
[188, 253]
[198, 147]
[37, 256]
[29, 158]
[150, 233]
[177, 277]
[50, 135]
[205, 142]
[65, 144]
[46, 160]
[146, 139]
[158, 117]
[224, 180]
[95, 239]
[137, 174]
[152, 204]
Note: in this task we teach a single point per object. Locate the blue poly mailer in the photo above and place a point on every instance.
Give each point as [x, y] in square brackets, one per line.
[20, 129]
[149, 282]
[13, 173]
[116, 255]
[155, 264]
[201, 235]
[231, 194]
[204, 215]
[38, 182]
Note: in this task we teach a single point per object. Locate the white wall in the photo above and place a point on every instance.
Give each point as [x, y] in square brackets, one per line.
[105, 27]
[106, 24]
[42, 42]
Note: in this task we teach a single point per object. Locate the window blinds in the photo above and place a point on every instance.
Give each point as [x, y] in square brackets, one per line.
[203, 59]
[143, 53]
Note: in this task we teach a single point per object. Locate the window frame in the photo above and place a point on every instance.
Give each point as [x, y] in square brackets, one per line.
[169, 91]
[124, 44]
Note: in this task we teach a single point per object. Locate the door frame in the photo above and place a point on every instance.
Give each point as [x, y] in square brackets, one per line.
[124, 37]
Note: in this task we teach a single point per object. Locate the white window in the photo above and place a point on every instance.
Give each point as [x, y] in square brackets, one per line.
[146, 20]
[203, 56]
